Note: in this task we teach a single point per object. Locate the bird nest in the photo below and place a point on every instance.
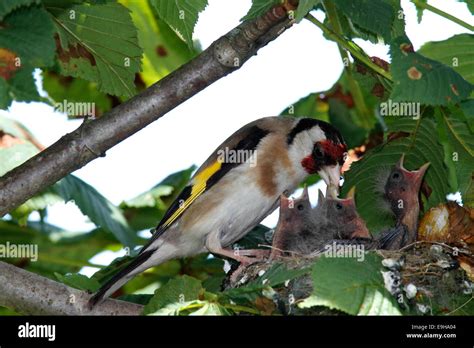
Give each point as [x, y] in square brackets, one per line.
[424, 278]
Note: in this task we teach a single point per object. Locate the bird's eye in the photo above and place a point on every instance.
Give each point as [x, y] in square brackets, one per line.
[396, 176]
[338, 206]
[300, 207]
[317, 152]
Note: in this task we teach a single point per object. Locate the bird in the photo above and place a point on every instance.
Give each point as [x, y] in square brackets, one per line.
[229, 195]
[304, 231]
[401, 192]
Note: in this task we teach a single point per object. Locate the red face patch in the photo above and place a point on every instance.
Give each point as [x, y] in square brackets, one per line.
[325, 153]
[333, 151]
[309, 164]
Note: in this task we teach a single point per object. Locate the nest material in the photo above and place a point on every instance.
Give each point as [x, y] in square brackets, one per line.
[426, 275]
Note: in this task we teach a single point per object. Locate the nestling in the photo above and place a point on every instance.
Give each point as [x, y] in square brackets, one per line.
[401, 191]
[303, 230]
[225, 199]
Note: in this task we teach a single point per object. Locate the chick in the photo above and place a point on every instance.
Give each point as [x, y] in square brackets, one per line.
[302, 230]
[401, 191]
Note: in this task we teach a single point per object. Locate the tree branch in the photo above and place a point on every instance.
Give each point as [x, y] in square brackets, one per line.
[93, 138]
[29, 293]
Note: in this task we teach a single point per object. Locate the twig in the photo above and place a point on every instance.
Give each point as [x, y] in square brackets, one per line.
[456, 249]
[29, 293]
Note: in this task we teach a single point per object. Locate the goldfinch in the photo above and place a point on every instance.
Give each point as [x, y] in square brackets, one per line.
[237, 187]
[401, 191]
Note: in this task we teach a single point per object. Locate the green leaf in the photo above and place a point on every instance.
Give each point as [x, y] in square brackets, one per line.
[468, 198]
[461, 142]
[467, 107]
[98, 43]
[98, 208]
[180, 15]
[22, 86]
[58, 250]
[164, 50]
[419, 10]
[142, 299]
[254, 239]
[79, 281]
[8, 312]
[61, 88]
[376, 17]
[38, 202]
[7, 6]
[13, 156]
[470, 5]
[107, 272]
[424, 80]
[351, 286]
[310, 106]
[417, 141]
[13, 128]
[5, 99]
[177, 291]
[146, 210]
[29, 32]
[456, 52]
[211, 308]
[259, 7]
[192, 308]
[304, 6]
[340, 117]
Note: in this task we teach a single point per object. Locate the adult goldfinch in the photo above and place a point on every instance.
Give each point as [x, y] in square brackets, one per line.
[236, 187]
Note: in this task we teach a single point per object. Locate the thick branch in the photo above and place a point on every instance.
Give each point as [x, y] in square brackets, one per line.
[29, 293]
[93, 138]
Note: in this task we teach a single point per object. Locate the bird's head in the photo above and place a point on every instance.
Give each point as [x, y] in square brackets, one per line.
[341, 215]
[402, 187]
[322, 150]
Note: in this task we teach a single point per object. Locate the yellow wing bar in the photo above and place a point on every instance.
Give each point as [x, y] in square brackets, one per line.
[198, 187]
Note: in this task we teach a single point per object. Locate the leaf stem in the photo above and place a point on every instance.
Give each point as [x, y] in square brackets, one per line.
[443, 14]
[456, 134]
[350, 46]
[354, 87]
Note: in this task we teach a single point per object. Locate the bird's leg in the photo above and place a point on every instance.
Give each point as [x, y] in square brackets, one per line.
[245, 257]
[256, 254]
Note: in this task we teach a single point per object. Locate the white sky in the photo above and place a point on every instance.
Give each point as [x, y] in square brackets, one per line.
[299, 62]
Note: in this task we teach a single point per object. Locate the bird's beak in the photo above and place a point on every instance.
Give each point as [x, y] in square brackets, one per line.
[331, 176]
[416, 176]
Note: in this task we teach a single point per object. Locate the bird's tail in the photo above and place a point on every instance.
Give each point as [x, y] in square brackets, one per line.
[121, 277]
